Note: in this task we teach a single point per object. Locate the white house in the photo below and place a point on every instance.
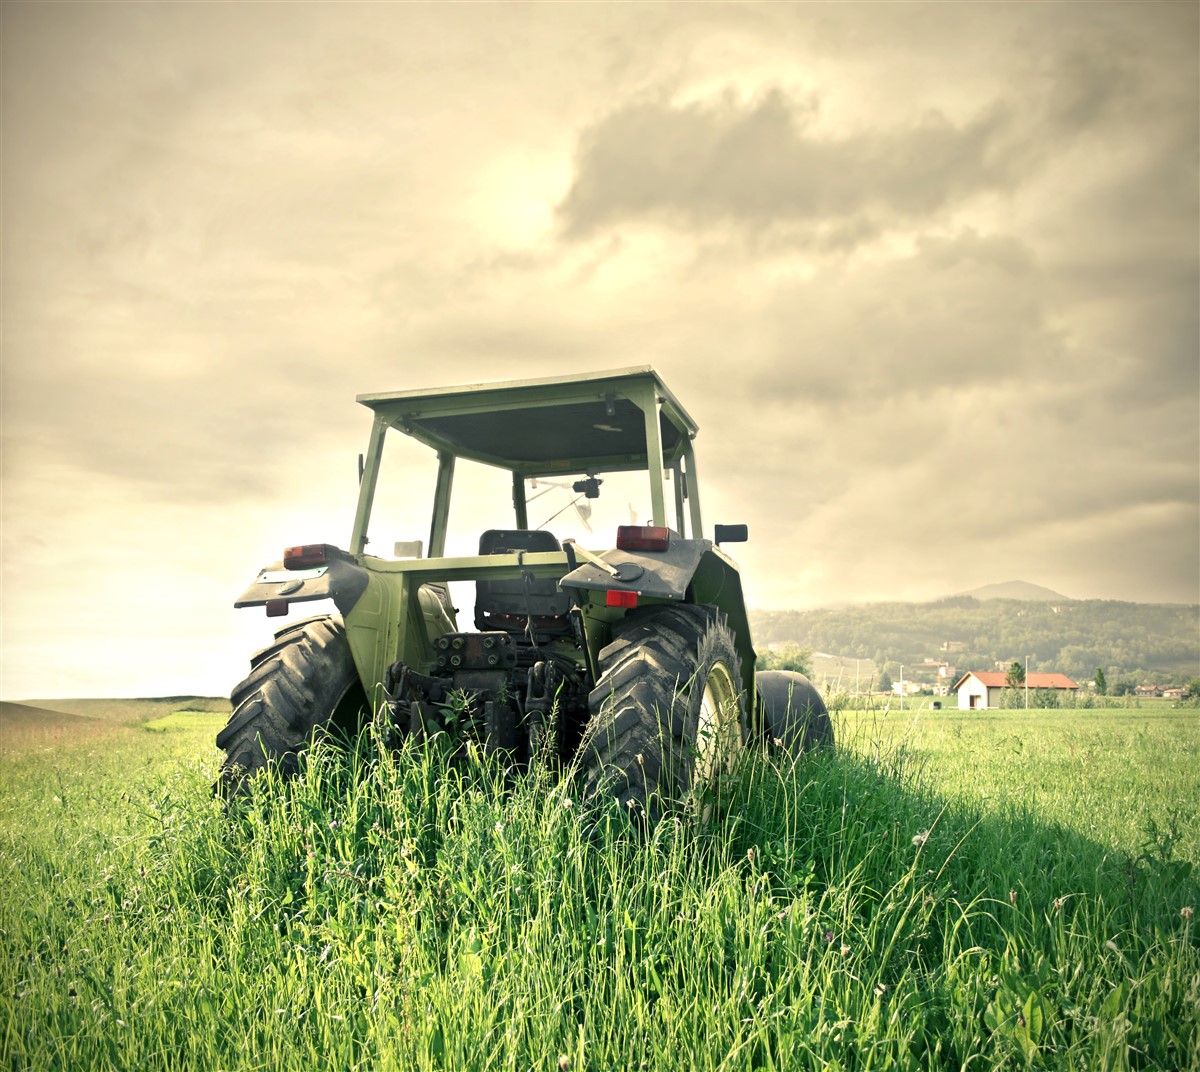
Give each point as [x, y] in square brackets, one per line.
[979, 690]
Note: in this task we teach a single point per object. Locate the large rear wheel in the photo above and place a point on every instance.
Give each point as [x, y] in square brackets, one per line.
[668, 712]
[304, 682]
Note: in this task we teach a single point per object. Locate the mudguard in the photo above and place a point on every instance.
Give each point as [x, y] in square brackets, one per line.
[341, 580]
[659, 574]
[692, 571]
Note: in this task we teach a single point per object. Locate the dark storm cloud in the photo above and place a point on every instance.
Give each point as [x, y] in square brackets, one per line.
[763, 162]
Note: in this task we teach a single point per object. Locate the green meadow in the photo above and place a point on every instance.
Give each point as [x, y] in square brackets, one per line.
[1003, 890]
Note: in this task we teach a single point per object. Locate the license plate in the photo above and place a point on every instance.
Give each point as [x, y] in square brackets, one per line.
[278, 576]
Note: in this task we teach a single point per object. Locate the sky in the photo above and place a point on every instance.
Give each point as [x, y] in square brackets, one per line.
[926, 275]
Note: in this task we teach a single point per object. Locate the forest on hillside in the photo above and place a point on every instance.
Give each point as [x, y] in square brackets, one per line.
[1155, 642]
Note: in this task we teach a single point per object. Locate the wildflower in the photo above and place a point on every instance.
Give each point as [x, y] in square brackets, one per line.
[566, 802]
[750, 854]
[1012, 896]
[845, 950]
[499, 827]
[1186, 912]
[564, 1062]
[880, 989]
[641, 759]
[333, 824]
[1058, 903]
[920, 838]
[828, 936]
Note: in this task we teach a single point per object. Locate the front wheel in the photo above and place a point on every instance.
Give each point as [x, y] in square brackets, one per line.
[792, 713]
[668, 712]
[304, 682]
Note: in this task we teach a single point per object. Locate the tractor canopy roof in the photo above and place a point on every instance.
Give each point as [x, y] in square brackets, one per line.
[591, 422]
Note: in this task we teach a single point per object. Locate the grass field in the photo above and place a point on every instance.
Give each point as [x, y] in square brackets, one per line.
[999, 891]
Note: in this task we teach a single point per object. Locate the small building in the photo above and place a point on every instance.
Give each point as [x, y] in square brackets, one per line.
[980, 690]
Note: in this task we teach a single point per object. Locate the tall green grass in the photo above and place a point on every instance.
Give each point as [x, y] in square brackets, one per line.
[410, 910]
[1129, 779]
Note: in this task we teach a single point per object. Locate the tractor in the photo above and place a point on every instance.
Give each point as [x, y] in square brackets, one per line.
[632, 661]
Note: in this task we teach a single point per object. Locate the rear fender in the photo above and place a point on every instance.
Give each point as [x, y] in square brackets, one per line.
[386, 615]
[341, 580]
[689, 571]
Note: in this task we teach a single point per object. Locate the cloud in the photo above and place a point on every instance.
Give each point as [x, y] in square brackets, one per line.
[915, 496]
[924, 274]
[1019, 100]
[955, 312]
[761, 162]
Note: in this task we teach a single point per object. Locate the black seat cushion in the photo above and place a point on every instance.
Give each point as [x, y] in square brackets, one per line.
[508, 604]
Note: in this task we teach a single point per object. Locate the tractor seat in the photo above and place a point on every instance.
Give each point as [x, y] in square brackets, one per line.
[509, 604]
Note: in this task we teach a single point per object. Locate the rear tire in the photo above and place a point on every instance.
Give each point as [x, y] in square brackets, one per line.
[792, 713]
[304, 682]
[668, 712]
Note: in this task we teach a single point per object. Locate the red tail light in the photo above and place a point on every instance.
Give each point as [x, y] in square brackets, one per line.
[643, 537]
[306, 556]
[613, 598]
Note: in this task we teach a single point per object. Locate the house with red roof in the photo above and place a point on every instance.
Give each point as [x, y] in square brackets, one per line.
[980, 690]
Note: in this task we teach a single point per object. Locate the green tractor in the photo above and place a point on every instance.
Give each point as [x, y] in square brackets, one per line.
[635, 661]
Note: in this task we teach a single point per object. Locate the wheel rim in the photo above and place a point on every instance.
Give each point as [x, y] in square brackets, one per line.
[718, 732]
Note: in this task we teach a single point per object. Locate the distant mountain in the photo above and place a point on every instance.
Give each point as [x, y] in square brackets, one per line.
[1017, 590]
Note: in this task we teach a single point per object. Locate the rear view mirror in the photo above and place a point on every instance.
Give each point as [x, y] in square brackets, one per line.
[730, 534]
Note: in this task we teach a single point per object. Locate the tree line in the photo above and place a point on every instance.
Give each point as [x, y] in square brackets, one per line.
[1144, 642]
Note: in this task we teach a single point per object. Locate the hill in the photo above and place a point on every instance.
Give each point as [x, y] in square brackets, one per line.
[1017, 590]
[50, 723]
[23, 726]
[128, 711]
[1144, 641]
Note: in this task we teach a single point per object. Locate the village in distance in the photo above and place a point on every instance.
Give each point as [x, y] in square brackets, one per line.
[1000, 646]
